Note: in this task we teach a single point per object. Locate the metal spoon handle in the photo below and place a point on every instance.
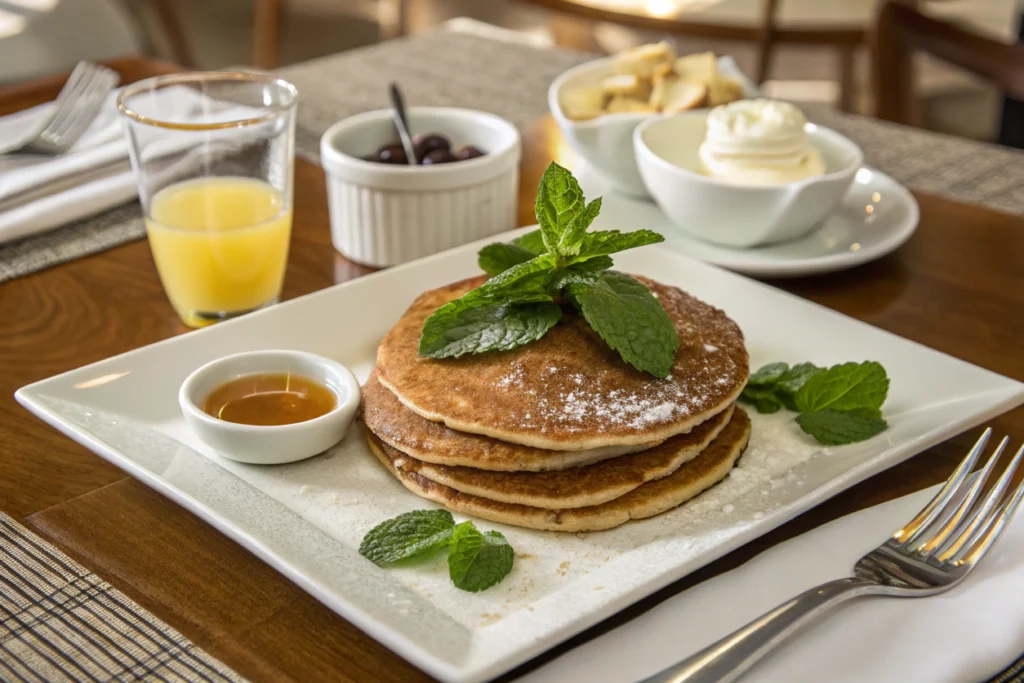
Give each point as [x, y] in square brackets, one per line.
[401, 122]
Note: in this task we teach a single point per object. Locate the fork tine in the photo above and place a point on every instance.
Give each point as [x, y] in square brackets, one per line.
[980, 521]
[913, 529]
[82, 107]
[990, 534]
[950, 526]
[85, 114]
[71, 93]
[76, 75]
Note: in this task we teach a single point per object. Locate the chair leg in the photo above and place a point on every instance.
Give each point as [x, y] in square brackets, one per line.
[266, 34]
[171, 25]
[570, 32]
[392, 18]
[766, 47]
[847, 77]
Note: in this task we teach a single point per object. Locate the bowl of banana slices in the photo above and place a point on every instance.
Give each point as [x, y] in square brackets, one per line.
[599, 104]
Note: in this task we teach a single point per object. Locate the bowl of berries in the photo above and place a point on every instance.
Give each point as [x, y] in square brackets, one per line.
[387, 209]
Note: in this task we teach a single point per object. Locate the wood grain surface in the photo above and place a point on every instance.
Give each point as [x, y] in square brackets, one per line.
[957, 286]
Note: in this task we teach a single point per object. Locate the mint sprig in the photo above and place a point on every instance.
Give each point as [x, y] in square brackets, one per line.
[629, 319]
[560, 262]
[408, 535]
[838, 405]
[476, 561]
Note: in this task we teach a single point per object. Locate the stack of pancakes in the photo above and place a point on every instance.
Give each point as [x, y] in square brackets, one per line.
[560, 434]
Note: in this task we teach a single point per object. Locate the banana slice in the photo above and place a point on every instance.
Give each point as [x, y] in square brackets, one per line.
[583, 103]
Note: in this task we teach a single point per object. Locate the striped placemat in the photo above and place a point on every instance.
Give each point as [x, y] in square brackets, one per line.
[60, 622]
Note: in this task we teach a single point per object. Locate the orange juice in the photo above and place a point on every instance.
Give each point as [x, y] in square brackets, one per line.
[220, 245]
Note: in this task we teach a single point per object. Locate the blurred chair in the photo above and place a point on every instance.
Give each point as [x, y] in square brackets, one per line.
[266, 33]
[844, 26]
[900, 31]
[42, 37]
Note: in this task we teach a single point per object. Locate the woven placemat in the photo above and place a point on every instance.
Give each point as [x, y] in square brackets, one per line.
[467, 69]
[60, 622]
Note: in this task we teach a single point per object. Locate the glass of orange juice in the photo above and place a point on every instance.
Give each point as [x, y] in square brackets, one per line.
[214, 156]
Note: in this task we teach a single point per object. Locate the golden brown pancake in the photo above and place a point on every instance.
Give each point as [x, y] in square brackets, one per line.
[578, 486]
[568, 390]
[650, 499]
[433, 442]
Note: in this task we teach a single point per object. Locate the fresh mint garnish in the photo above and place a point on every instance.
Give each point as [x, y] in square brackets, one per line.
[845, 387]
[407, 535]
[768, 375]
[532, 242]
[560, 262]
[838, 405]
[790, 383]
[612, 241]
[482, 325]
[499, 257]
[764, 400]
[562, 212]
[629, 319]
[477, 561]
[776, 384]
[838, 427]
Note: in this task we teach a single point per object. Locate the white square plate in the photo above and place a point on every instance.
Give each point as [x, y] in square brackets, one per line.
[306, 519]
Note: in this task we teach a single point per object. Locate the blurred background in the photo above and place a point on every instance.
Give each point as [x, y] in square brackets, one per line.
[802, 50]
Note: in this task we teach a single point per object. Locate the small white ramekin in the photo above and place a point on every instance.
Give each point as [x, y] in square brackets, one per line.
[738, 215]
[386, 214]
[270, 445]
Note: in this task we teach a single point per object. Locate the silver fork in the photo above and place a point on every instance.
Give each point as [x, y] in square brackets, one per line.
[74, 109]
[930, 555]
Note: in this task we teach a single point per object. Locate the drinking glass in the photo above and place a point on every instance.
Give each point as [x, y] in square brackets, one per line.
[214, 156]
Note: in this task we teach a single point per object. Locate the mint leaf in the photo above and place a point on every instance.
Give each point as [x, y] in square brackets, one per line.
[764, 400]
[607, 242]
[407, 535]
[499, 257]
[532, 242]
[572, 238]
[768, 374]
[844, 387]
[585, 272]
[835, 428]
[479, 325]
[794, 378]
[478, 561]
[523, 282]
[629, 319]
[790, 383]
[559, 200]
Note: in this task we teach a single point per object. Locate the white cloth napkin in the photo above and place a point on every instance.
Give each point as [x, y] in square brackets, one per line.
[39, 193]
[966, 635]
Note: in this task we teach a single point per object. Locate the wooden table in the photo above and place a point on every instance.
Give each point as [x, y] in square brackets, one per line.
[957, 286]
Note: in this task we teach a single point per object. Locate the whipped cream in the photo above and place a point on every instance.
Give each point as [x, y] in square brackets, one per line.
[758, 142]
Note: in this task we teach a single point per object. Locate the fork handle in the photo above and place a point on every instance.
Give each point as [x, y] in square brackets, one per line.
[727, 659]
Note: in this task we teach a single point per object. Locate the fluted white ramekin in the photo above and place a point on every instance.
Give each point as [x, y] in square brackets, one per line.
[386, 214]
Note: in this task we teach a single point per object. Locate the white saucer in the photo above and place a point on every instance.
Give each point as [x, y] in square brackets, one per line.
[875, 218]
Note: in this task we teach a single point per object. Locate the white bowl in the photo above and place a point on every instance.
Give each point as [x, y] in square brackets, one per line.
[386, 214]
[738, 215]
[606, 142]
[270, 445]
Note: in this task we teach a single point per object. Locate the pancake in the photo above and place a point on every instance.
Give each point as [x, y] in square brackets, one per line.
[650, 499]
[433, 442]
[568, 390]
[579, 486]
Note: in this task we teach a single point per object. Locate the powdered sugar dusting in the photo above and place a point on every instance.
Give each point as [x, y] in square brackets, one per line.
[571, 402]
